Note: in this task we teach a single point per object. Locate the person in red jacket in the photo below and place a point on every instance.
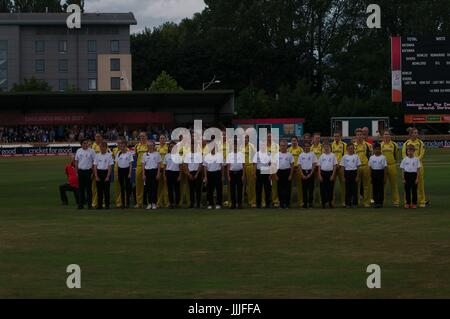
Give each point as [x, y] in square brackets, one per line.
[71, 185]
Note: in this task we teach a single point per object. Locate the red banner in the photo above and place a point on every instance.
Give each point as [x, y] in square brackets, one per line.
[86, 118]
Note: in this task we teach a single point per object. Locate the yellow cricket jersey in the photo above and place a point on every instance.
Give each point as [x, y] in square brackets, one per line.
[339, 149]
[390, 151]
[140, 150]
[296, 153]
[317, 150]
[419, 146]
[364, 151]
[249, 151]
[96, 147]
[162, 150]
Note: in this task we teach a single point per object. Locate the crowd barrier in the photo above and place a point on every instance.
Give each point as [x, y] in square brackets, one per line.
[29, 150]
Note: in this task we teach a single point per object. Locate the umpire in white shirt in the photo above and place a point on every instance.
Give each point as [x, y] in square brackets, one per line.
[84, 161]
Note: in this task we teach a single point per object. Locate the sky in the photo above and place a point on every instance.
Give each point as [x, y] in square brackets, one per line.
[148, 13]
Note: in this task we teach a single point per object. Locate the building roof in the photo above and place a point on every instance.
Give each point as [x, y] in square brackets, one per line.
[59, 19]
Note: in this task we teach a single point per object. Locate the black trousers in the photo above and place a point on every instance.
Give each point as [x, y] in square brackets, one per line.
[284, 187]
[326, 188]
[308, 189]
[67, 188]
[85, 187]
[125, 186]
[411, 188]
[263, 181]
[103, 189]
[151, 186]
[351, 188]
[378, 186]
[173, 187]
[195, 189]
[214, 184]
[236, 188]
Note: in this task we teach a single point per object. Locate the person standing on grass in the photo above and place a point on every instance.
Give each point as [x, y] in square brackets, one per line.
[151, 161]
[307, 162]
[71, 185]
[296, 150]
[339, 148]
[378, 172]
[285, 174]
[317, 149]
[249, 151]
[261, 172]
[140, 149]
[124, 162]
[193, 168]
[163, 193]
[419, 152]
[84, 161]
[98, 140]
[364, 150]
[327, 167]
[390, 150]
[351, 175]
[103, 164]
[213, 172]
[411, 167]
[172, 176]
[236, 176]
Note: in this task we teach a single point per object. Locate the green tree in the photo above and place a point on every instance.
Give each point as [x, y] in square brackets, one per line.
[31, 85]
[6, 6]
[164, 82]
[37, 5]
[69, 2]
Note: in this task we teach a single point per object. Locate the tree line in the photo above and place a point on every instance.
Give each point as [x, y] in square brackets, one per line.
[290, 58]
[37, 5]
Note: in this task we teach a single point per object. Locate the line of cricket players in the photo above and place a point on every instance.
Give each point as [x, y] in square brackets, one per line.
[154, 177]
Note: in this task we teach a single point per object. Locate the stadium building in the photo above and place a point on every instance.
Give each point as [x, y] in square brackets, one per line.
[94, 58]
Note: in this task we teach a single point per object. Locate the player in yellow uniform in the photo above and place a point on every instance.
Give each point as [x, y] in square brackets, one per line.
[184, 178]
[364, 151]
[296, 150]
[274, 149]
[96, 147]
[339, 148]
[140, 149]
[317, 149]
[420, 154]
[225, 151]
[390, 150]
[250, 183]
[163, 193]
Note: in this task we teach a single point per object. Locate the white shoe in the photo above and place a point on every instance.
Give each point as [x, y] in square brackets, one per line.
[218, 207]
[209, 207]
[154, 206]
[149, 207]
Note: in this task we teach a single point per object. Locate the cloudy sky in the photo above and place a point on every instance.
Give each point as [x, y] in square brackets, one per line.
[149, 13]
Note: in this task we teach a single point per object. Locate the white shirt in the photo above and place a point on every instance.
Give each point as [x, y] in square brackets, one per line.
[103, 161]
[377, 162]
[151, 160]
[213, 163]
[327, 162]
[350, 162]
[410, 165]
[306, 161]
[193, 161]
[263, 160]
[171, 162]
[285, 160]
[85, 158]
[124, 160]
[236, 161]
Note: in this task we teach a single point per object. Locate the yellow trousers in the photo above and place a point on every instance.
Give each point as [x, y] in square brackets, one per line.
[118, 199]
[184, 190]
[163, 193]
[421, 188]
[139, 186]
[94, 193]
[250, 185]
[393, 182]
[364, 180]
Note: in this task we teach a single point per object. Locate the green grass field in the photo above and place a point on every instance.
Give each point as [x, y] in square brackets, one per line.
[204, 254]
